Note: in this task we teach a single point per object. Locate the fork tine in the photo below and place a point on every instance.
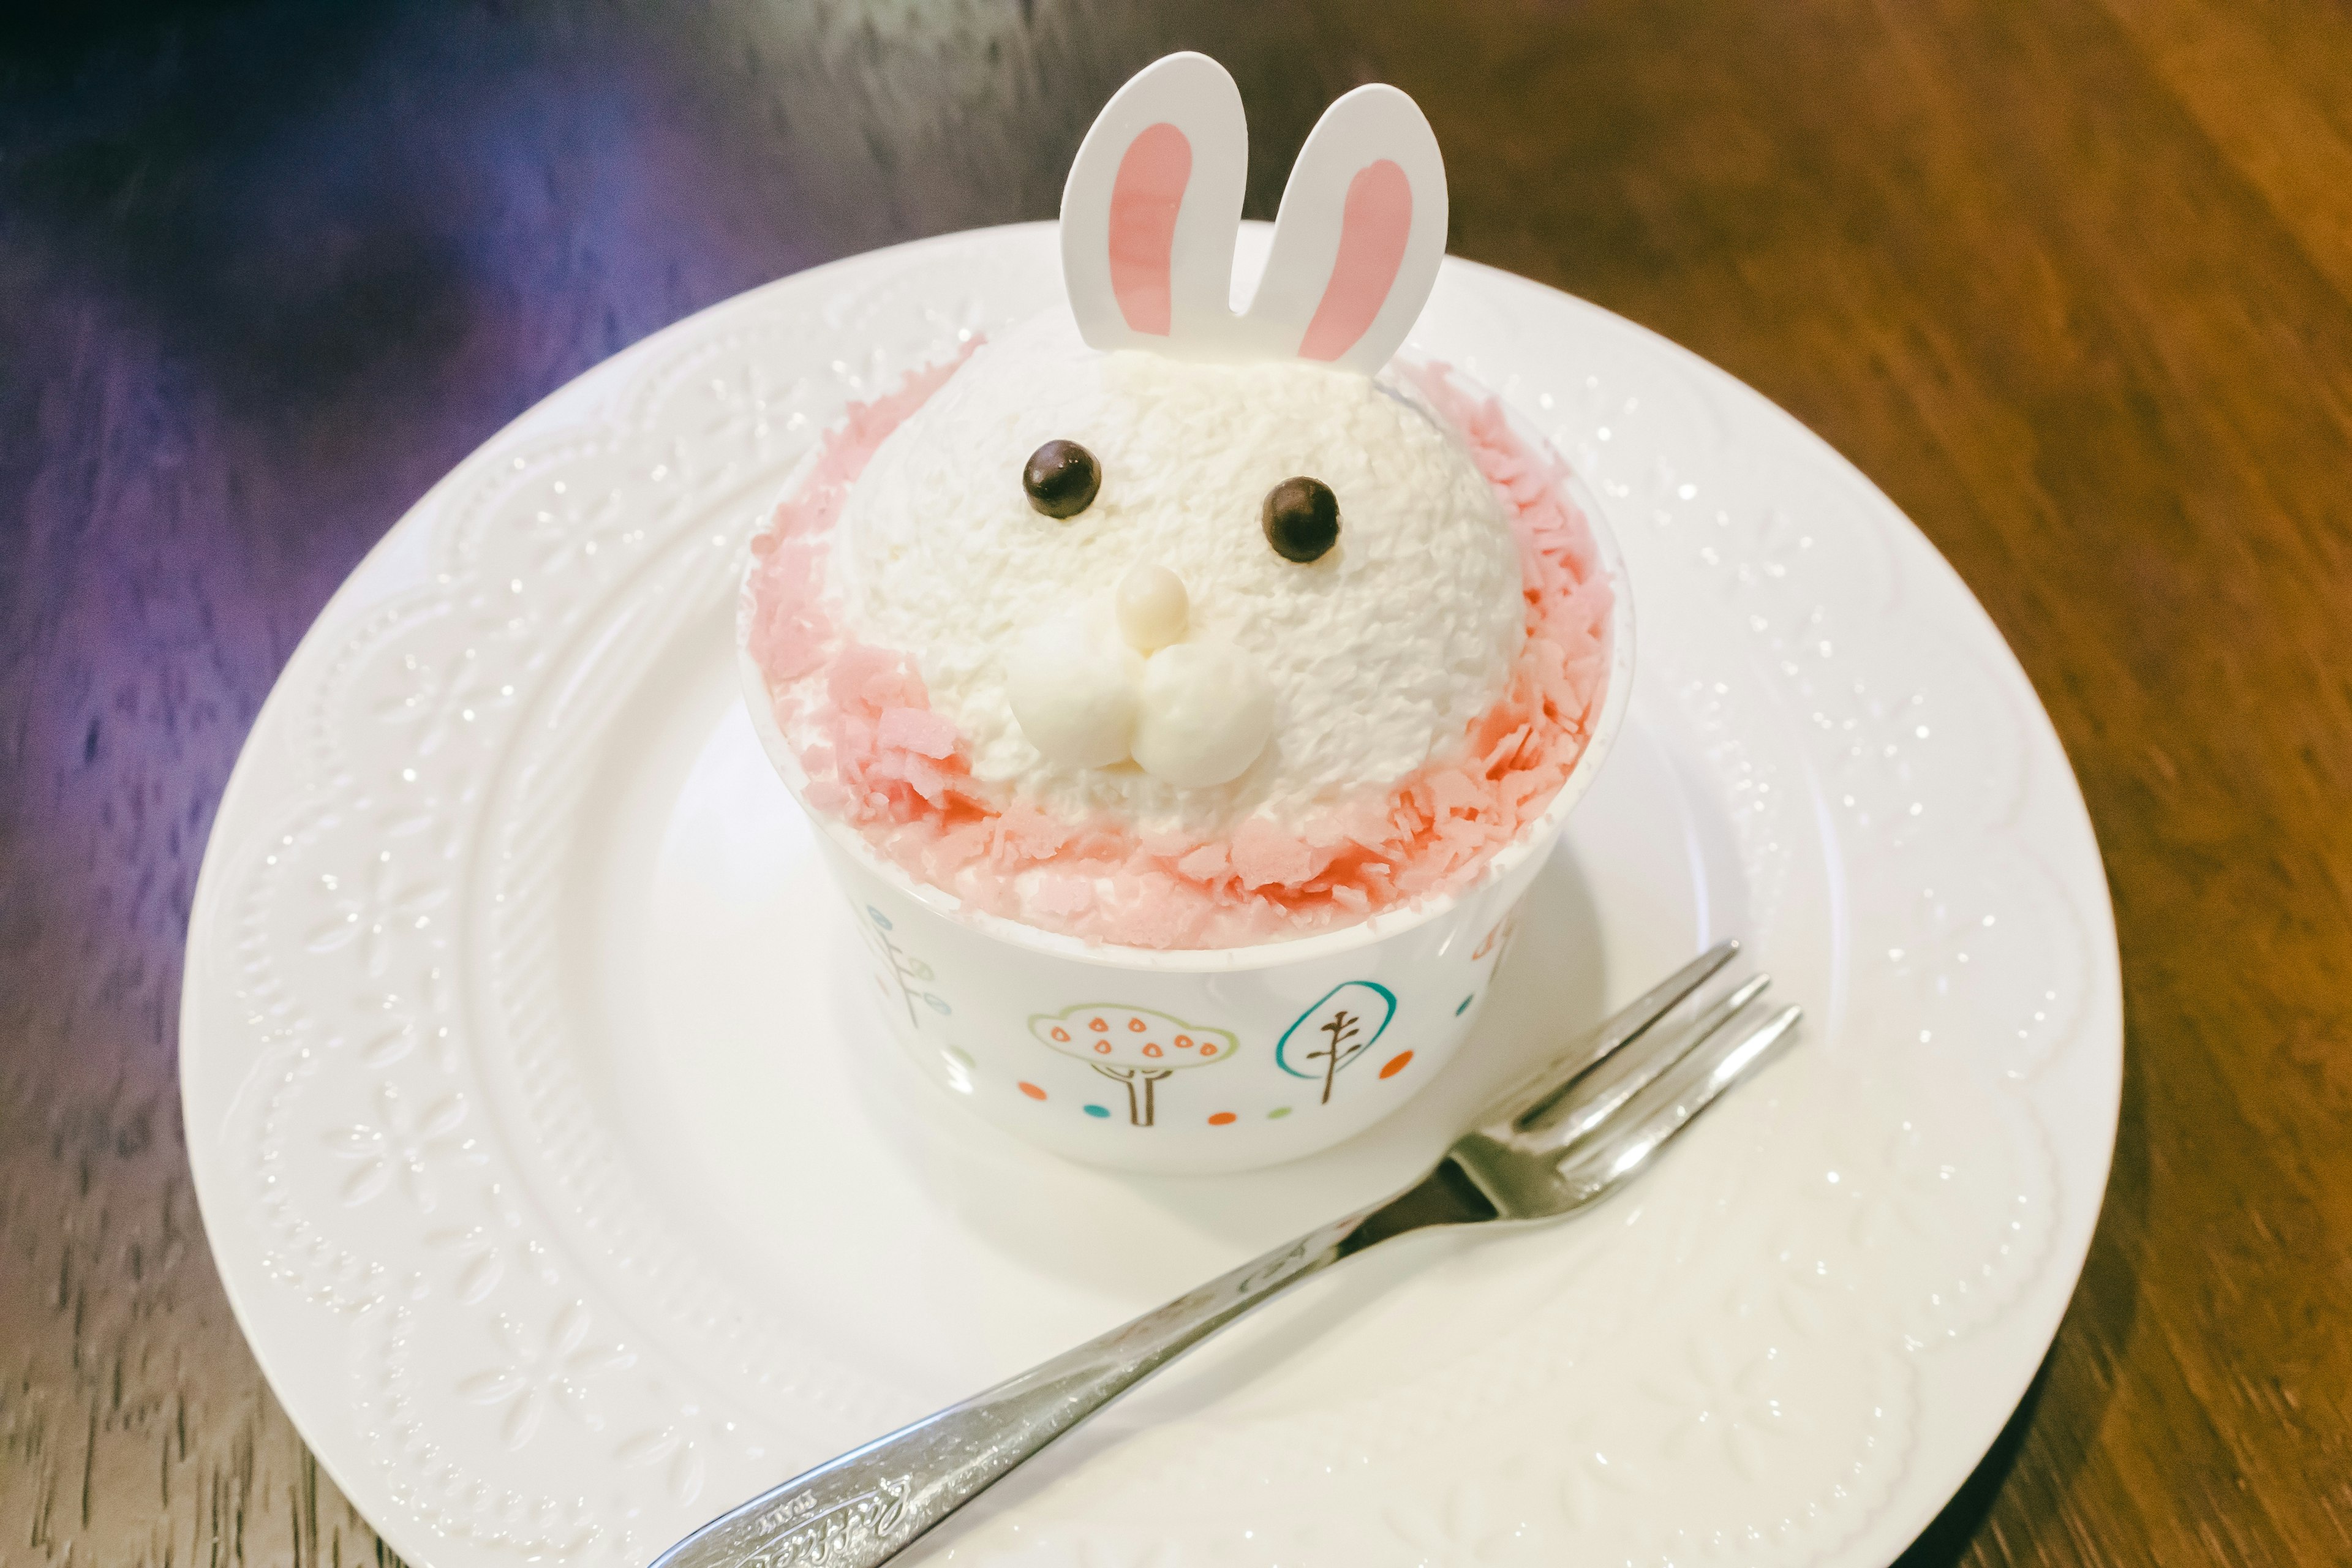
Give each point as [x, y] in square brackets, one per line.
[1534, 1094]
[1673, 1101]
[1598, 1093]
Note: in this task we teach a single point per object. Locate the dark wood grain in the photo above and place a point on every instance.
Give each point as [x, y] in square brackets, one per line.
[2072, 281]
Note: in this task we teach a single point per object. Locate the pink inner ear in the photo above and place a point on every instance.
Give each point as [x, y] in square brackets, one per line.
[1144, 201]
[1373, 228]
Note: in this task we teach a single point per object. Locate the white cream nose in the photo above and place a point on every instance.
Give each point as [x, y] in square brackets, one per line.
[1153, 607]
[1093, 690]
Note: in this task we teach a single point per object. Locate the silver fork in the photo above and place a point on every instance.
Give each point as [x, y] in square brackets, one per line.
[1570, 1135]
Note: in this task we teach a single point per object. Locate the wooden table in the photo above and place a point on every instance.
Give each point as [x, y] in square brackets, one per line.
[2071, 280]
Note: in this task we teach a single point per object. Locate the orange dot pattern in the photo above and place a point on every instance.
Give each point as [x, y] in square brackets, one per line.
[1201, 1050]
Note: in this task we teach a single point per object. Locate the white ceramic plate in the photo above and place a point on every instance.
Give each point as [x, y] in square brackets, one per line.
[562, 1186]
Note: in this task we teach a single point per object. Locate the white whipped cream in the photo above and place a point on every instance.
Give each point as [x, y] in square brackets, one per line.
[1378, 655]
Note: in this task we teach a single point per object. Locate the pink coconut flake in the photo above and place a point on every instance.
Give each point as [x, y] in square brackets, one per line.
[879, 757]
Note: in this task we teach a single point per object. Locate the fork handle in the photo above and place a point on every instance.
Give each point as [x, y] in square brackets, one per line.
[866, 1505]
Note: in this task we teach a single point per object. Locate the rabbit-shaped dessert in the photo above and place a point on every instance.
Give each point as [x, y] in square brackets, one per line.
[1175, 686]
[1186, 565]
[1170, 625]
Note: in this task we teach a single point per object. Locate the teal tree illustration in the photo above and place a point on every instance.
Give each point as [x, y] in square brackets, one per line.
[908, 973]
[1335, 1032]
[1134, 1046]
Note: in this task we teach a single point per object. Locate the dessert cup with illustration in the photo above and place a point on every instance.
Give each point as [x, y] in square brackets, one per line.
[1187, 698]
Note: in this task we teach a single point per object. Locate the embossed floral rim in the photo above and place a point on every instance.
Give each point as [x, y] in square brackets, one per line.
[1535, 839]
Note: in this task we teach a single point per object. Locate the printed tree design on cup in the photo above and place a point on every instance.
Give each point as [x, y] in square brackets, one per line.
[1335, 1032]
[907, 972]
[1497, 935]
[1132, 1046]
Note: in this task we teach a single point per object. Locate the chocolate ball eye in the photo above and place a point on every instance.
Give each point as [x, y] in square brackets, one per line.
[1302, 519]
[1062, 478]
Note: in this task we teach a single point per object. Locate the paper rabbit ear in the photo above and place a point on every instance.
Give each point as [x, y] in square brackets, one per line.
[1152, 208]
[1359, 239]
[1154, 201]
